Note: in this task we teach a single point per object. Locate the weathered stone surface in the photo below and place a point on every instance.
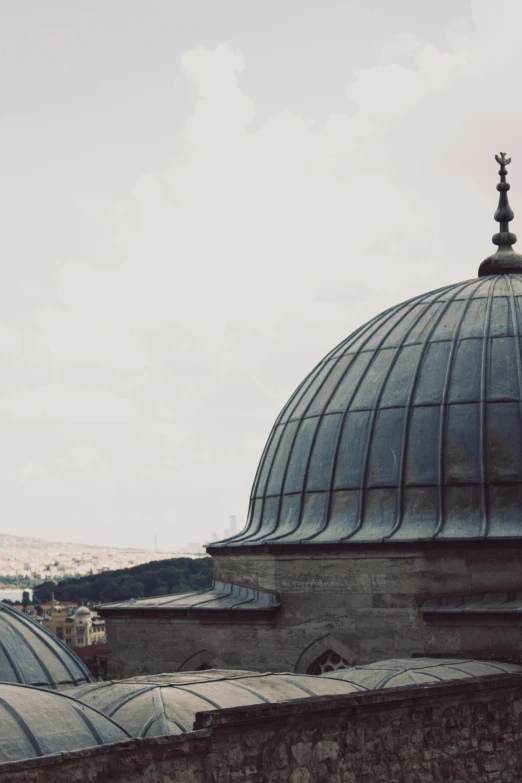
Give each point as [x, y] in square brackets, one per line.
[300, 775]
[275, 756]
[366, 597]
[326, 749]
[302, 752]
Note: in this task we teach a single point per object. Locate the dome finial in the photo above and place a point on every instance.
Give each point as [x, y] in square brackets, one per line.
[505, 260]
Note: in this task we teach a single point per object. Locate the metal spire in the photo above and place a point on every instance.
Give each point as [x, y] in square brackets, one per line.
[505, 260]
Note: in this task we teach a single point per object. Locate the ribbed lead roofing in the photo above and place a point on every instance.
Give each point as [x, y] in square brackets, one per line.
[36, 723]
[32, 655]
[221, 596]
[409, 430]
[398, 673]
[168, 703]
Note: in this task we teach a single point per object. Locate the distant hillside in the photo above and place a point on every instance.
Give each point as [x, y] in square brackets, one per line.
[162, 577]
[8, 541]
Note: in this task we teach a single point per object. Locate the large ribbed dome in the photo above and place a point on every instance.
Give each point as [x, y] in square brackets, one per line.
[32, 655]
[409, 430]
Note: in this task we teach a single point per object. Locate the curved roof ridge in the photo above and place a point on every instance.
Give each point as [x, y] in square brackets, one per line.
[316, 372]
[444, 402]
[35, 644]
[222, 596]
[179, 701]
[482, 401]
[24, 726]
[27, 713]
[159, 713]
[381, 392]
[394, 673]
[59, 693]
[17, 671]
[408, 308]
[31, 651]
[411, 395]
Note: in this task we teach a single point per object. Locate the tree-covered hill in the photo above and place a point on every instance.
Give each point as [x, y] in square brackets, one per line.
[162, 577]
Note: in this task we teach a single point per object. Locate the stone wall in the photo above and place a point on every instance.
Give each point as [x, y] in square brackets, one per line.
[365, 598]
[468, 731]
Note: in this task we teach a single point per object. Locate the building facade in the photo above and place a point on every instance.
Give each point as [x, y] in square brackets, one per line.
[76, 627]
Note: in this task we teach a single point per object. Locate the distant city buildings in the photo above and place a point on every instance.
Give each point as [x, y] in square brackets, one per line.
[76, 626]
[228, 532]
[27, 560]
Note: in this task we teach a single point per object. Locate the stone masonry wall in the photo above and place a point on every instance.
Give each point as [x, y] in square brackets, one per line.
[367, 598]
[461, 732]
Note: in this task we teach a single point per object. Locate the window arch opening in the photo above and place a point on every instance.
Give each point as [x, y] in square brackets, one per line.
[329, 661]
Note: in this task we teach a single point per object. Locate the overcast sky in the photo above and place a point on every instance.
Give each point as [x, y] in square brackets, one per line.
[199, 199]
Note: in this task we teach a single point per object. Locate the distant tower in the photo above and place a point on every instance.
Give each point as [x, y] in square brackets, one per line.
[233, 525]
[155, 542]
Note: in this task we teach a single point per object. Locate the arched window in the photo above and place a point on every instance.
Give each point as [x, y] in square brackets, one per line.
[326, 654]
[329, 661]
[201, 661]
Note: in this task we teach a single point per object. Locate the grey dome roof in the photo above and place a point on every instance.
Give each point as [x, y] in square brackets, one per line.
[38, 723]
[82, 611]
[408, 430]
[164, 704]
[32, 655]
[418, 671]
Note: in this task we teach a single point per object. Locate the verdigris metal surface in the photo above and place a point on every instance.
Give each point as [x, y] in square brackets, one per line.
[409, 430]
[487, 603]
[35, 722]
[221, 596]
[32, 655]
[400, 672]
[167, 703]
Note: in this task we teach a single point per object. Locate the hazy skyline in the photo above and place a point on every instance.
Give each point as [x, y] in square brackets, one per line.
[199, 201]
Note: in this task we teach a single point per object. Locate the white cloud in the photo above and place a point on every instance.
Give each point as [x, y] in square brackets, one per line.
[390, 90]
[83, 458]
[62, 403]
[245, 223]
[211, 284]
[31, 471]
[88, 330]
[10, 342]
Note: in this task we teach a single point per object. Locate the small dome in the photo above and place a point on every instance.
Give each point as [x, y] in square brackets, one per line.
[39, 723]
[409, 430]
[167, 703]
[32, 655]
[397, 673]
[83, 611]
